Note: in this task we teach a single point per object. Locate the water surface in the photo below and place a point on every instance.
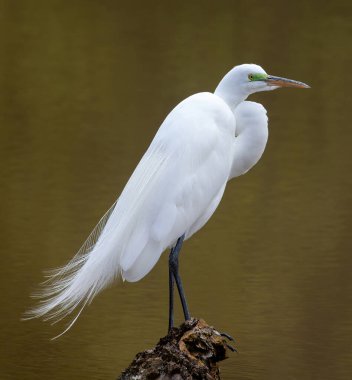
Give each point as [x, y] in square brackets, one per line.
[84, 87]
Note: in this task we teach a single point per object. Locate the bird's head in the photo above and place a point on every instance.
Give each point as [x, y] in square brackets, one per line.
[253, 78]
[246, 79]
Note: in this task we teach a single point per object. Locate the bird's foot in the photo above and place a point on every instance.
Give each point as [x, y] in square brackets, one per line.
[227, 336]
[230, 338]
[231, 348]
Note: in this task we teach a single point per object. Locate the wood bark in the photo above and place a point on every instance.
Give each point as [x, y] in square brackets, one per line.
[190, 351]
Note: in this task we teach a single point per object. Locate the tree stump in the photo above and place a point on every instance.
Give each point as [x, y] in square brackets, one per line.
[190, 351]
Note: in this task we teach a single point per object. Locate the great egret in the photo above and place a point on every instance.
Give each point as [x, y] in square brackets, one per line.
[205, 141]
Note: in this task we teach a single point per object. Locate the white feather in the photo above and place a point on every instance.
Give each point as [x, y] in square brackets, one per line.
[98, 262]
[164, 197]
[174, 190]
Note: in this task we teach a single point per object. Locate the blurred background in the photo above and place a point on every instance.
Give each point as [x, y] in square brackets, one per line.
[84, 86]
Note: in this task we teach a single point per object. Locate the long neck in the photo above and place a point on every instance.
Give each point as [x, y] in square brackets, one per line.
[232, 95]
[249, 144]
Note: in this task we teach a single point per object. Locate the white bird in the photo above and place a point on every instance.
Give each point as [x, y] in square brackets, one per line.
[205, 141]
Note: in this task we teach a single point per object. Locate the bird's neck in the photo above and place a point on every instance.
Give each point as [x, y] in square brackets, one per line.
[231, 96]
[251, 128]
[248, 147]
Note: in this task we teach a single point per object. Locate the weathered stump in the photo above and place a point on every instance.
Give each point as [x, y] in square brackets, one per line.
[190, 351]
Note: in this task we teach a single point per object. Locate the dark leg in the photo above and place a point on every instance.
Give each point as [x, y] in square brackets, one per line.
[171, 298]
[174, 275]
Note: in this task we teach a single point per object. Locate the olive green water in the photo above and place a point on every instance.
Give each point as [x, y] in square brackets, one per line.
[84, 86]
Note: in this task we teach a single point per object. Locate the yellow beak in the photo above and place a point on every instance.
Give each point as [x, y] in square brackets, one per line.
[283, 82]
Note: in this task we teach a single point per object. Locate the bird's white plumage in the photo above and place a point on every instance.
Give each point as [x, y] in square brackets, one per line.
[194, 137]
[174, 190]
[251, 137]
[183, 171]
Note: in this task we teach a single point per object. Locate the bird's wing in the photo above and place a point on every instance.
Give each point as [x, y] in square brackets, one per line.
[196, 143]
[184, 168]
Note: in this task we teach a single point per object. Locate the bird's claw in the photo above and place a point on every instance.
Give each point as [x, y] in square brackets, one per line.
[231, 348]
[227, 336]
[230, 338]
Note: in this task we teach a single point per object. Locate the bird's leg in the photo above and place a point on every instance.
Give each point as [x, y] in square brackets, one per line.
[171, 296]
[174, 275]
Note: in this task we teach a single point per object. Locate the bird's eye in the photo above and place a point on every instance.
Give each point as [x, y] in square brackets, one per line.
[250, 76]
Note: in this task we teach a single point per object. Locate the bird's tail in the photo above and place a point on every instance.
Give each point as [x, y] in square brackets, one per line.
[94, 267]
[121, 232]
